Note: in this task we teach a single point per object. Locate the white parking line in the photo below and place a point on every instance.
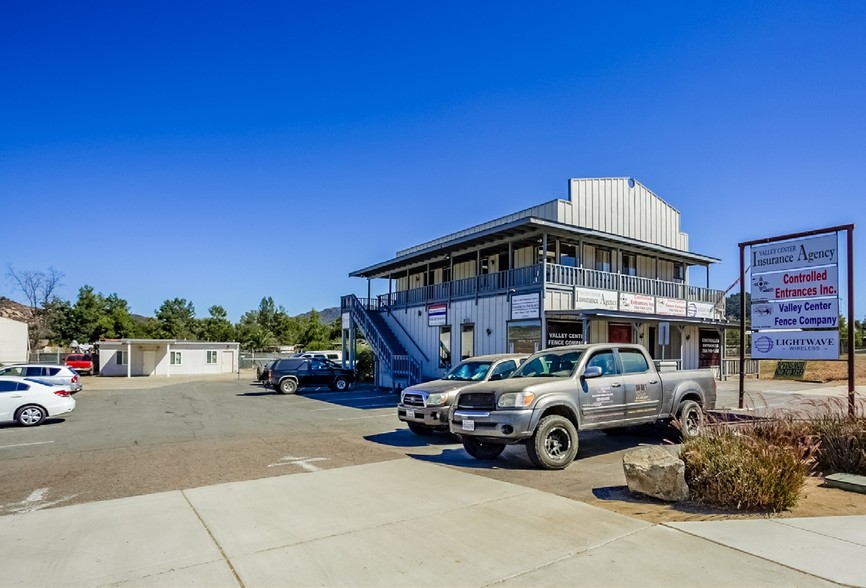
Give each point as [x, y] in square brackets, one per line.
[26, 444]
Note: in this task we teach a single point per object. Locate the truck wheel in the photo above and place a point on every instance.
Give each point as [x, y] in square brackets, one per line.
[340, 385]
[288, 386]
[481, 450]
[691, 418]
[554, 444]
[420, 429]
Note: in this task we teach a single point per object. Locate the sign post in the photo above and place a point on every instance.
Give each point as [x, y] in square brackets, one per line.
[795, 299]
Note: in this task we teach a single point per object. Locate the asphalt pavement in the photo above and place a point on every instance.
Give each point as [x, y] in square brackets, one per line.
[414, 522]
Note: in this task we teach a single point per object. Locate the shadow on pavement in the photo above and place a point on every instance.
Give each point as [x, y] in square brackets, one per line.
[406, 438]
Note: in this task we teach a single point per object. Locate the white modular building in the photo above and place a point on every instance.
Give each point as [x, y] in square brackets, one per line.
[608, 264]
[166, 357]
[14, 341]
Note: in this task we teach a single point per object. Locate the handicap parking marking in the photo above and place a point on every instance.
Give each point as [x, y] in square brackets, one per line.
[303, 462]
[35, 501]
[25, 444]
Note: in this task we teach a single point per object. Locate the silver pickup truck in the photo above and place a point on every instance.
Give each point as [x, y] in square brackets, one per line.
[560, 391]
[424, 407]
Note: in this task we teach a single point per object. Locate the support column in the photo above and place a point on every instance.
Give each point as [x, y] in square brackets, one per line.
[128, 360]
[168, 365]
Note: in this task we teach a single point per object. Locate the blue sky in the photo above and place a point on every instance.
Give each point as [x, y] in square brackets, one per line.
[223, 151]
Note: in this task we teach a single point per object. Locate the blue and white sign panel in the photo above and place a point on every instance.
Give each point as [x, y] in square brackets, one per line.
[816, 313]
[795, 345]
[437, 314]
[802, 253]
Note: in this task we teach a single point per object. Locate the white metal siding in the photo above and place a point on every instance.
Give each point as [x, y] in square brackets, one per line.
[13, 341]
[609, 205]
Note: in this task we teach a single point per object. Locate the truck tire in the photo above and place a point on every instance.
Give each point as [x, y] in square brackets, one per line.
[691, 419]
[340, 384]
[288, 386]
[554, 444]
[481, 450]
[420, 429]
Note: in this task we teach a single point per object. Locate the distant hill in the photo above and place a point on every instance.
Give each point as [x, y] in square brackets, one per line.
[10, 309]
[326, 315]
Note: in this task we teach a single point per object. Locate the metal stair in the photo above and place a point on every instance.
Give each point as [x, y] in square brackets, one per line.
[392, 356]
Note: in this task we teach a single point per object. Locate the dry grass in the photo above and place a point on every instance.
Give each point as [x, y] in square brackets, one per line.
[824, 371]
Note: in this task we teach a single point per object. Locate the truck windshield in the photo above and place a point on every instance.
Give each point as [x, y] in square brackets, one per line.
[550, 364]
[468, 371]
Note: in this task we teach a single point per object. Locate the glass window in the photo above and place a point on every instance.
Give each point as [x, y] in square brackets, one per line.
[8, 386]
[211, 356]
[553, 364]
[175, 358]
[12, 371]
[445, 346]
[505, 369]
[568, 254]
[524, 336]
[467, 341]
[121, 358]
[602, 259]
[606, 361]
[629, 264]
[468, 371]
[679, 272]
[633, 361]
[31, 372]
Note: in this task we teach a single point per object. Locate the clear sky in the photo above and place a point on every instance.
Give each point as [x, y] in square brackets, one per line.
[226, 151]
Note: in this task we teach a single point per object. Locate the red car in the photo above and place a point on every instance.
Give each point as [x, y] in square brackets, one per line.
[81, 363]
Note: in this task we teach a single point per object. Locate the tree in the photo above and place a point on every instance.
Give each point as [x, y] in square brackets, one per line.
[314, 334]
[177, 319]
[732, 306]
[38, 288]
[91, 318]
[217, 326]
[254, 338]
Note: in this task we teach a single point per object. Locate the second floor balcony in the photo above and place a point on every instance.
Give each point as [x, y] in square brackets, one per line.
[550, 276]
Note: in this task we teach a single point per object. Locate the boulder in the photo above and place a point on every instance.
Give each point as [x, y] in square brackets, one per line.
[654, 471]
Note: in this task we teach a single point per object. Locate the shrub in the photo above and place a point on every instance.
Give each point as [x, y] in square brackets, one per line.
[364, 366]
[842, 440]
[734, 467]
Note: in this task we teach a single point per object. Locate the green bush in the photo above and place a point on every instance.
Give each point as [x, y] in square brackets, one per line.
[364, 365]
[842, 441]
[733, 467]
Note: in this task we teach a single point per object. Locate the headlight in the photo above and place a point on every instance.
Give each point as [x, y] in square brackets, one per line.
[437, 399]
[515, 399]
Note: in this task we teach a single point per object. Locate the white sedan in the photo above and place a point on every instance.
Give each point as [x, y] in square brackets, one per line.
[28, 401]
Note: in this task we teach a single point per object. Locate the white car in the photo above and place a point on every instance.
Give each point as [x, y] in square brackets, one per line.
[49, 373]
[29, 401]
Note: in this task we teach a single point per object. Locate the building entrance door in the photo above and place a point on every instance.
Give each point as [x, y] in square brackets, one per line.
[228, 362]
[618, 333]
[148, 362]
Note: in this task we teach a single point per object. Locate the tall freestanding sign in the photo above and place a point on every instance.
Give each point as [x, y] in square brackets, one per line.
[795, 299]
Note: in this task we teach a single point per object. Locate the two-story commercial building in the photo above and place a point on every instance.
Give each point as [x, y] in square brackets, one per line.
[609, 264]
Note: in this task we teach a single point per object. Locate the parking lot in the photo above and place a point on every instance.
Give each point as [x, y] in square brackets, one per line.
[134, 437]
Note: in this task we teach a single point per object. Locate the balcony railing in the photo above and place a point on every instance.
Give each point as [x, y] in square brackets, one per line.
[557, 275]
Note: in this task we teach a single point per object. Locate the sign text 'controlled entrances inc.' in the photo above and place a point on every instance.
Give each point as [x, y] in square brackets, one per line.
[437, 314]
[795, 345]
[802, 253]
[804, 283]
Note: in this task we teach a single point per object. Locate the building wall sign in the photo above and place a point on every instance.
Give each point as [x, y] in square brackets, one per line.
[437, 314]
[804, 283]
[637, 303]
[590, 299]
[802, 253]
[561, 333]
[795, 345]
[800, 314]
[525, 306]
[703, 310]
[710, 350]
[346, 320]
[671, 306]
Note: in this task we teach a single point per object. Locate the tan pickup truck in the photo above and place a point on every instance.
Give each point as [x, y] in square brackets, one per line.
[424, 407]
[560, 391]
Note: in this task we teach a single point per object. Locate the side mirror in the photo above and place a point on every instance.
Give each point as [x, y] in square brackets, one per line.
[591, 372]
[495, 377]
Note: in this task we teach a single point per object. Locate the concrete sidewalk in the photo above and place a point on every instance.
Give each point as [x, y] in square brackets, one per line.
[409, 523]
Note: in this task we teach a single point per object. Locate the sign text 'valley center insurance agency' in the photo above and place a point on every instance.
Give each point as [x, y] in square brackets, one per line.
[801, 291]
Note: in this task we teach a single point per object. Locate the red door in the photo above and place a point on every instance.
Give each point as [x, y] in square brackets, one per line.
[618, 333]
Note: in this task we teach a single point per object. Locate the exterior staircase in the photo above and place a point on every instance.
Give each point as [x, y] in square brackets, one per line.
[402, 368]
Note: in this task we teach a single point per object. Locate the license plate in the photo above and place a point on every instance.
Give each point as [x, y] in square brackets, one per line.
[468, 425]
[410, 414]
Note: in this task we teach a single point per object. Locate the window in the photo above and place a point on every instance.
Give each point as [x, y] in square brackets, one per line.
[121, 358]
[445, 346]
[679, 272]
[629, 264]
[467, 341]
[211, 356]
[633, 361]
[175, 358]
[8, 386]
[504, 369]
[568, 255]
[602, 260]
[606, 361]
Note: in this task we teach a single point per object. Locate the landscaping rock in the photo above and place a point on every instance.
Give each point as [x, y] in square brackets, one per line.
[654, 471]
